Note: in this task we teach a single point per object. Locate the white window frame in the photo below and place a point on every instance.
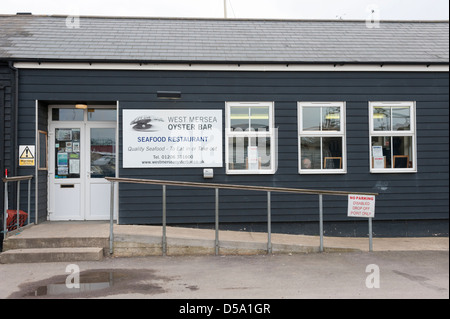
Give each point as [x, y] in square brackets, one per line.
[411, 133]
[270, 134]
[341, 133]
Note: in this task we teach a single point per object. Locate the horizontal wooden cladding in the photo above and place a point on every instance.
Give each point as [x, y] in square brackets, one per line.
[420, 195]
[235, 187]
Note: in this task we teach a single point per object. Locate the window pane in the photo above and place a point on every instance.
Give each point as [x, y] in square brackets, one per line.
[67, 115]
[260, 118]
[311, 118]
[331, 119]
[382, 118]
[239, 118]
[103, 152]
[102, 114]
[401, 119]
[249, 153]
[237, 152]
[310, 152]
[392, 152]
[263, 152]
[402, 151]
[67, 153]
[332, 152]
[381, 152]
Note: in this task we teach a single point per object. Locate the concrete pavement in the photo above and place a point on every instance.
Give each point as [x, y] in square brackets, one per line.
[135, 240]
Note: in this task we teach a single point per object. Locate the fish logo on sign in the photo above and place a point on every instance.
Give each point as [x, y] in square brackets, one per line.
[26, 157]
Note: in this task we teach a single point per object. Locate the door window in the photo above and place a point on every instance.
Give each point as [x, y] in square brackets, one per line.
[67, 152]
[103, 152]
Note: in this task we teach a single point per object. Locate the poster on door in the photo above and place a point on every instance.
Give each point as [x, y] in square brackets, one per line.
[172, 138]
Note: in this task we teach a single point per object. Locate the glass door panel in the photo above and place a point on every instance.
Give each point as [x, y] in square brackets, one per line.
[103, 152]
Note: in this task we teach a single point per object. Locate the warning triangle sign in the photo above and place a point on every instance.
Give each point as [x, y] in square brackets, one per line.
[27, 154]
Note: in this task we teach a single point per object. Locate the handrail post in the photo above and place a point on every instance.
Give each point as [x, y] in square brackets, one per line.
[5, 215]
[321, 221]
[111, 220]
[164, 184]
[269, 224]
[18, 205]
[29, 202]
[217, 222]
[164, 212]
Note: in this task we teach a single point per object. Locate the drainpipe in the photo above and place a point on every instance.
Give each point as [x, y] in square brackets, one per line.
[13, 170]
[2, 137]
[15, 123]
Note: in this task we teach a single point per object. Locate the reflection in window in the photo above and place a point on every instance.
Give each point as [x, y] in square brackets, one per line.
[401, 119]
[392, 136]
[249, 153]
[250, 138]
[392, 152]
[321, 152]
[322, 137]
[391, 119]
[102, 114]
[254, 118]
[331, 119]
[103, 152]
[67, 115]
[318, 118]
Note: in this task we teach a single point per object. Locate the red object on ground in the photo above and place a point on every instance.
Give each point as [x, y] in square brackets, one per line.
[11, 221]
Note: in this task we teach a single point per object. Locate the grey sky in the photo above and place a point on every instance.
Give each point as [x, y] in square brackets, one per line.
[277, 9]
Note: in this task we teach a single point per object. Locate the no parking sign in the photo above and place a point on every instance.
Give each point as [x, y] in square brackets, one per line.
[361, 206]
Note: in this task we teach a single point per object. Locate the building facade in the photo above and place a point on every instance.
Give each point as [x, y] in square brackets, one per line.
[366, 112]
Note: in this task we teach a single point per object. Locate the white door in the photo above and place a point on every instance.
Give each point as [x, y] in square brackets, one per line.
[66, 183]
[101, 163]
[81, 154]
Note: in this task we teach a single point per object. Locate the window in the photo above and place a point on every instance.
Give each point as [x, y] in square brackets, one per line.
[250, 138]
[99, 114]
[321, 127]
[392, 137]
[66, 114]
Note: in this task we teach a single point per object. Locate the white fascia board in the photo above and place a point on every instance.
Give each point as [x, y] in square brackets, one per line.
[236, 67]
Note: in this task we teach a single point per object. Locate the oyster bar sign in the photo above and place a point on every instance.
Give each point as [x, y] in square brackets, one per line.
[172, 138]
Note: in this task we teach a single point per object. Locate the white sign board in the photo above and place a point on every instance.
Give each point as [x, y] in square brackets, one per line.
[361, 206]
[172, 138]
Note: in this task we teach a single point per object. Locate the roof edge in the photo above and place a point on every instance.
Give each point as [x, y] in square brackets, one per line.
[222, 62]
[214, 19]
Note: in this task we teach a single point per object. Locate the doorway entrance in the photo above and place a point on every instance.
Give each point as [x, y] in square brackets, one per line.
[82, 152]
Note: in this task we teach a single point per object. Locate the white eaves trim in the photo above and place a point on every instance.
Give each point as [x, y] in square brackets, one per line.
[234, 67]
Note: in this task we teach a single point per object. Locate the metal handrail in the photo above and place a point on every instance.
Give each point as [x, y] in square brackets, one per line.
[17, 179]
[237, 187]
[216, 186]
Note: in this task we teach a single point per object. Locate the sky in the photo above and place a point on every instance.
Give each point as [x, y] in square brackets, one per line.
[242, 9]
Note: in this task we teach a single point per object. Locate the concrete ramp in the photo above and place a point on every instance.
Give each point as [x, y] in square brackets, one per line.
[147, 241]
[76, 241]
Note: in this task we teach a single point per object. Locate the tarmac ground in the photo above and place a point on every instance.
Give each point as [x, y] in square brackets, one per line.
[398, 268]
[348, 275]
